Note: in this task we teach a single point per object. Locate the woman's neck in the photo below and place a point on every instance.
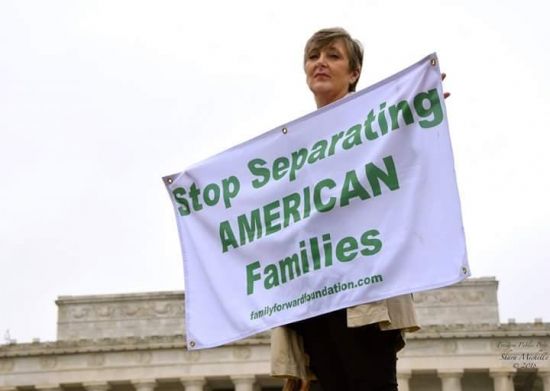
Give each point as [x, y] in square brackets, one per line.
[325, 99]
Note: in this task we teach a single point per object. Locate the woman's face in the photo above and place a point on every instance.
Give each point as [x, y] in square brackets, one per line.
[327, 72]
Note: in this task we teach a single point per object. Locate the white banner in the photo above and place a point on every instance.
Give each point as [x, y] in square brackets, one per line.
[352, 203]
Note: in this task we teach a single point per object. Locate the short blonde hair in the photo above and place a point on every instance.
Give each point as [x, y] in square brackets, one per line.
[325, 37]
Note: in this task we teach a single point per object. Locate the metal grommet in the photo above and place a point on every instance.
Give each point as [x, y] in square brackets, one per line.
[433, 62]
[464, 270]
[284, 130]
[169, 180]
[192, 344]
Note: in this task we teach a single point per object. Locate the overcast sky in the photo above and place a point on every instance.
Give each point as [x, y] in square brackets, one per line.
[100, 99]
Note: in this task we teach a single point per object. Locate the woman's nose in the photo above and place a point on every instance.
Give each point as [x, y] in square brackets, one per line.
[321, 60]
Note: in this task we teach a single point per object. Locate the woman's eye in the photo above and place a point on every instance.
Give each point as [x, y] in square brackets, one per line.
[313, 56]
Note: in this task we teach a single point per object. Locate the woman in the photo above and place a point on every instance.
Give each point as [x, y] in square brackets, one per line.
[354, 348]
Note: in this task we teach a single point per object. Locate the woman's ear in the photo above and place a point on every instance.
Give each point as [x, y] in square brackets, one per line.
[354, 75]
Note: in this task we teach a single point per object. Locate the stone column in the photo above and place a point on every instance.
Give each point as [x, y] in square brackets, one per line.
[144, 385]
[193, 383]
[545, 377]
[403, 380]
[243, 383]
[450, 379]
[502, 379]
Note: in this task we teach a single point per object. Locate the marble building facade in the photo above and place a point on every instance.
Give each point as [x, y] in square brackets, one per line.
[136, 342]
